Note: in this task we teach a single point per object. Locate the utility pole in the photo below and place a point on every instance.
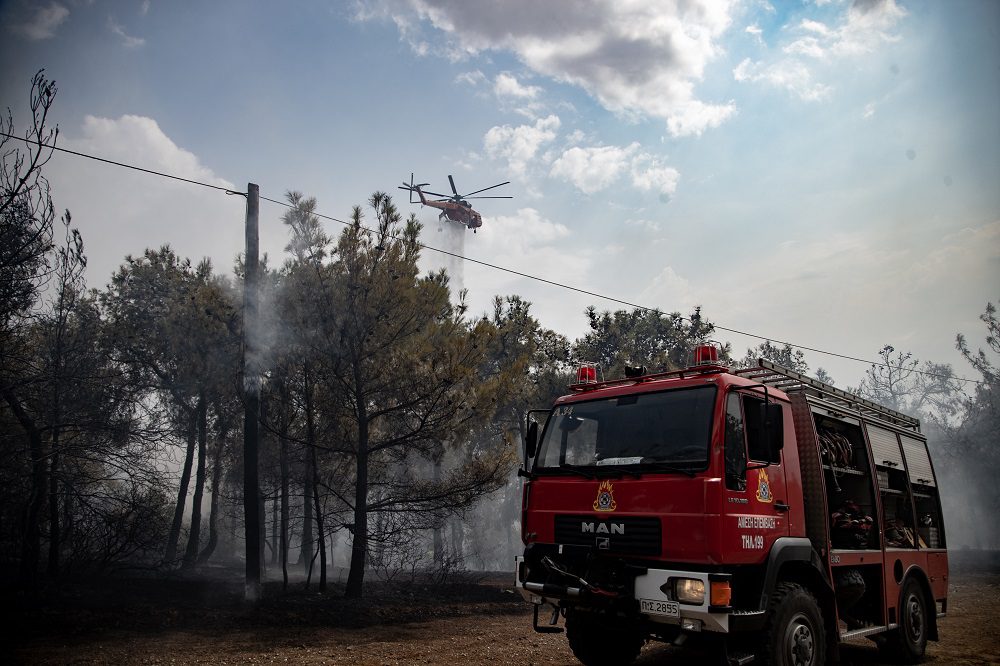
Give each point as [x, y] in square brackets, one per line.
[251, 399]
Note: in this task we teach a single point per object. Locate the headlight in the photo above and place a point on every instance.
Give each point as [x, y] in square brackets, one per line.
[689, 591]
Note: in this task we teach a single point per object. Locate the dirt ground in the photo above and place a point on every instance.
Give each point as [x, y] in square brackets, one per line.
[136, 621]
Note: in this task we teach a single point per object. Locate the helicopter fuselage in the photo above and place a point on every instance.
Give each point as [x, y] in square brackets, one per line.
[462, 212]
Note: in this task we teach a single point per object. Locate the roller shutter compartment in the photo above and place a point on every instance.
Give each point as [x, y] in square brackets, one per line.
[885, 447]
[918, 461]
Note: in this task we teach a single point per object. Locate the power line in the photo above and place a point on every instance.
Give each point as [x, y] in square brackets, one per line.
[504, 269]
[120, 164]
[634, 305]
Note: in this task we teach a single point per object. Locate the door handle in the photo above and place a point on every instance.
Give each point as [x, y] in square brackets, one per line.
[781, 506]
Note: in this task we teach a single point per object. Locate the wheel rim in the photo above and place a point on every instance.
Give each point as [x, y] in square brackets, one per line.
[914, 618]
[800, 646]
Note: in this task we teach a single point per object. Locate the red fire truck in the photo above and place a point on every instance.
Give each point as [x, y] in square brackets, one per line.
[760, 513]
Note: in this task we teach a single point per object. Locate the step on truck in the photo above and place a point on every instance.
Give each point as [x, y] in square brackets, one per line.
[761, 514]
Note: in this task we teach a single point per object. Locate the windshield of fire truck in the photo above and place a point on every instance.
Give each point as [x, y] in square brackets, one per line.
[670, 427]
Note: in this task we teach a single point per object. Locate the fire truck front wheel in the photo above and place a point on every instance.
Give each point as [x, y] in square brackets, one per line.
[600, 641]
[794, 633]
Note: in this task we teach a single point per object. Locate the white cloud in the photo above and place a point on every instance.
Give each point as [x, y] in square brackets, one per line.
[869, 25]
[807, 46]
[648, 174]
[519, 145]
[791, 75]
[473, 78]
[44, 23]
[864, 27]
[650, 225]
[530, 227]
[595, 168]
[815, 26]
[132, 135]
[144, 8]
[519, 97]
[506, 85]
[869, 111]
[694, 117]
[669, 292]
[633, 57]
[756, 32]
[128, 41]
[121, 212]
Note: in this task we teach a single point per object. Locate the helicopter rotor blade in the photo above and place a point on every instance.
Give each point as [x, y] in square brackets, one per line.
[488, 188]
[452, 181]
[489, 197]
[437, 194]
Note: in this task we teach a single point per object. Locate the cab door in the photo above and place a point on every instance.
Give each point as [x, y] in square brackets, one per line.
[756, 505]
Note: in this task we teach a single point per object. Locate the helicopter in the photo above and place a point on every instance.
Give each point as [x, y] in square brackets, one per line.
[453, 207]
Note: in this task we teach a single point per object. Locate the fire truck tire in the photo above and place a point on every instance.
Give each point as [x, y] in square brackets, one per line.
[908, 643]
[794, 634]
[596, 642]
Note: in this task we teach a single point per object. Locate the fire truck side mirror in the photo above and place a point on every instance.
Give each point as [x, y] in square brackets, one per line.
[774, 429]
[531, 441]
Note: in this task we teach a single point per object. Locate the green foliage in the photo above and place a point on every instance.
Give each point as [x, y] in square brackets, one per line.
[970, 450]
[167, 323]
[652, 338]
[903, 383]
[786, 355]
[26, 210]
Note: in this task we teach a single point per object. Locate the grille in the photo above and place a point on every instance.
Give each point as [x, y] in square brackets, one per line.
[623, 535]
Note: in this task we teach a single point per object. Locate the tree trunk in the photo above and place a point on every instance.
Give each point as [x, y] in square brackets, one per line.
[306, 548]
[284, 511]
[319, 525]
[312, 477]
[359, 545]
[175, 528]
[194, 538]
[213, 529]
[32, 545]
[262, 522]
[438, 531]
[308, 490]
[511, 512]
[275, 509]
[31, 548]
[55, 536]
[66, 527]
[457, 537]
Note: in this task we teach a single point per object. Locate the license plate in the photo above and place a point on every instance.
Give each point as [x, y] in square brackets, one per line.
[654, 607]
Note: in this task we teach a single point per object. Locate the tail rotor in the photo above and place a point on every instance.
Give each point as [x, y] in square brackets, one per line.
[412, 187]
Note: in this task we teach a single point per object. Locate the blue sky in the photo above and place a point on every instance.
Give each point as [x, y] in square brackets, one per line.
[821, 172]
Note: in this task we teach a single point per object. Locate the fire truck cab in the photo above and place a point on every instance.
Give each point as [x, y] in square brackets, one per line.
[761, 512]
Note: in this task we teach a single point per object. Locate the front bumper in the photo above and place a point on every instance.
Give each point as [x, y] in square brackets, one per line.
[647, 586]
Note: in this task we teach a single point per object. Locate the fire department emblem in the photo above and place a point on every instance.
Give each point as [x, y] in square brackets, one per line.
[605, 498]
[763, 487]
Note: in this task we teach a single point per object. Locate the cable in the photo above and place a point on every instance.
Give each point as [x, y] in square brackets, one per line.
[635, 305]
[489, 265]
[120, 164]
